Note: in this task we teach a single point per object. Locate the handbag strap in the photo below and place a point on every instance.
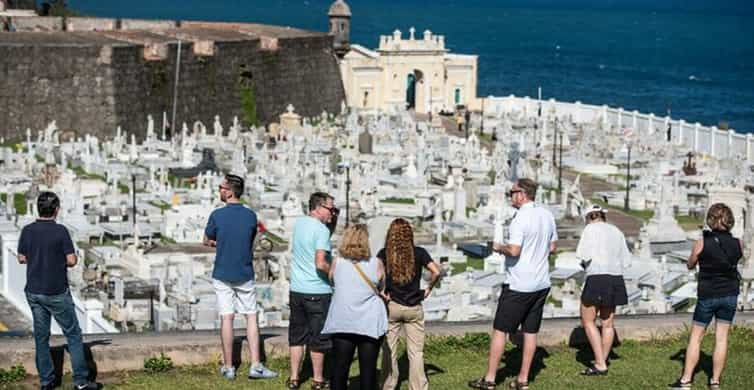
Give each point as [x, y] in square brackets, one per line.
[366, 279]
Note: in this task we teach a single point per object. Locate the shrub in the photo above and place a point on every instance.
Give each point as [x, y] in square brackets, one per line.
[16, 373]
[156, 364]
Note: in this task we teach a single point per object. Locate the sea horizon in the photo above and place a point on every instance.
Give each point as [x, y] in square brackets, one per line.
[691, 59]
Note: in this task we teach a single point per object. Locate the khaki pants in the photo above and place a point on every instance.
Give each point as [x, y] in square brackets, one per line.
[411, 319]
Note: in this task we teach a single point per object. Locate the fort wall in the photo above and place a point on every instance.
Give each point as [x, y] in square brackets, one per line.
[92, 75]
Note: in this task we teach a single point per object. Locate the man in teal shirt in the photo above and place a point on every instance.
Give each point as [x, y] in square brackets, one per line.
[310, 288]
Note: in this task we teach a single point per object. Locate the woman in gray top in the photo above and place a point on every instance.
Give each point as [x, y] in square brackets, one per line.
[603, 253]
[357, 318]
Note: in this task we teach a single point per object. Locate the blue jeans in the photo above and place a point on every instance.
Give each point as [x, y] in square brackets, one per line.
[61, 307]
[723, 309]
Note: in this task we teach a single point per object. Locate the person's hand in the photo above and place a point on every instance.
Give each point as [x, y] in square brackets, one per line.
[427, 291]
[385, 297]
[21, 259]
[497, 247]
[211, 243]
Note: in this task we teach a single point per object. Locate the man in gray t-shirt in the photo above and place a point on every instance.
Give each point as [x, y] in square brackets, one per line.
[532, 240]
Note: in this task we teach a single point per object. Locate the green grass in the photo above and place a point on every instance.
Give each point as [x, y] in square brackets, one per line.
[19, 202]
[688, 222]
[471, 263]
[399, 200]
[161, 205]
[80, 172]
[450, 362]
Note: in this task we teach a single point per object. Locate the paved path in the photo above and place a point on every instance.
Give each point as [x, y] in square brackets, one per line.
[628, 224]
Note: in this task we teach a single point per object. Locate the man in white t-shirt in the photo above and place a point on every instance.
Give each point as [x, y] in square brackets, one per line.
[532, 240]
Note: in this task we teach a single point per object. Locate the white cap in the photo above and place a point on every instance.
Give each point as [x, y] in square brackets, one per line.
[594, 208]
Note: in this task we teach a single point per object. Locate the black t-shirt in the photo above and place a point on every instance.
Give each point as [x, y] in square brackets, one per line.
[45, 245]
[718, 275]
[408, 294]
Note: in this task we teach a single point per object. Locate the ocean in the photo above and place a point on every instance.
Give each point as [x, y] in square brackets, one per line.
[692, 58]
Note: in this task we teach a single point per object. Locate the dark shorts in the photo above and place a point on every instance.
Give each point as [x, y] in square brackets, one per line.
[522, 309]
[723, 309]
[604, 290]
[308, 315]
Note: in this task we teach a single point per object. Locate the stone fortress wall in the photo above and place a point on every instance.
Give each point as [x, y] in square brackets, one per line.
[92, 75]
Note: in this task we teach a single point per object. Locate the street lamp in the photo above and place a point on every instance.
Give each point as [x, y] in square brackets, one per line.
[347, 166]
[628, 177]
[560, 165]
[554, 141]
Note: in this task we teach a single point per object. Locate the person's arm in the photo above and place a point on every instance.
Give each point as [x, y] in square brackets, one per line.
[70, 252]
[320, 261]
[331, 273]
[23, 248]
[210, 232]
[435, 270]
[695, 252]
[513, 247]
[71, 260]
[323, 246]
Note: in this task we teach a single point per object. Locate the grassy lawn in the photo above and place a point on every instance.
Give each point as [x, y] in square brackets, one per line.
[451, 362]
[471, 263]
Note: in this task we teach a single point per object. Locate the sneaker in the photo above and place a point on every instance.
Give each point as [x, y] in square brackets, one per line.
[259, 371]
[228, 372]
[87, 386]
[680, 385]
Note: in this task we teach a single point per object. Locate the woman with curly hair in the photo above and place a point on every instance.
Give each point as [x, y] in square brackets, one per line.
[403, 271]
[717, 253]
[357, 318]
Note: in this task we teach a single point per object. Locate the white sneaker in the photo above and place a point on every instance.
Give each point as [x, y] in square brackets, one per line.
[259, 371]
[228, 372]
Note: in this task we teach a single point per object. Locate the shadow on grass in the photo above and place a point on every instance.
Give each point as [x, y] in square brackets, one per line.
[584, 353]
[705, 362]
[403, 369]
[58, 355]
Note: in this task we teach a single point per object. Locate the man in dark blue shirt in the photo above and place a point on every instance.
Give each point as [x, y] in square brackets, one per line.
[46, 248]
[231, 229]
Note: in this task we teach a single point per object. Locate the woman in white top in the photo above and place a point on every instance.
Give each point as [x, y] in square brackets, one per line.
[603, 253]
[357, 318]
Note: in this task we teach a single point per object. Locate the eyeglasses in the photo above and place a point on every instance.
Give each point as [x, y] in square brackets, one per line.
[511, 192]
[333, 210]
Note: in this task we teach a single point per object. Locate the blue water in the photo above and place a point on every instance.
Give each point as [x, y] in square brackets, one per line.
[693, 57]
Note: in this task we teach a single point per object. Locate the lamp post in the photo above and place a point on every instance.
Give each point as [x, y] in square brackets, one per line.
[348, 191]
[628, 177]
[560, 165]
[554, 141]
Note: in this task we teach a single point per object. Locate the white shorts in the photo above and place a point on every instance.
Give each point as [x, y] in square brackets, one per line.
[233, 298]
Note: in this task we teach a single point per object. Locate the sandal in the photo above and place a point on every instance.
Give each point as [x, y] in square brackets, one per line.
[516, 385]
[324, 385]
[292, 383]
[713, 385]
[680, 385]
[482, 384]
[593, 371]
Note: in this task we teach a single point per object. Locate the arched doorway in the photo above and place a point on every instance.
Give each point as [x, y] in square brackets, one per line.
[410, 91]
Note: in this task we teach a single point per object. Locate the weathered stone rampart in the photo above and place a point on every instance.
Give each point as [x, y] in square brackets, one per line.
[92, 75]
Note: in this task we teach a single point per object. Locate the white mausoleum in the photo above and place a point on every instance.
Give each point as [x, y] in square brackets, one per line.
[413, 72]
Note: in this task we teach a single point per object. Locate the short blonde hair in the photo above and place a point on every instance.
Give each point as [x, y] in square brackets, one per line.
[355, 243]
[720, 217]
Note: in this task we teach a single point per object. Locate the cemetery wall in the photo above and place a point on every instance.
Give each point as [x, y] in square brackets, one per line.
[709, 140]
[93, 82]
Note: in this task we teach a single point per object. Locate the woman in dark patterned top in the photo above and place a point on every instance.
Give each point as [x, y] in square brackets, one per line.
[403, 267]
[717, 254]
